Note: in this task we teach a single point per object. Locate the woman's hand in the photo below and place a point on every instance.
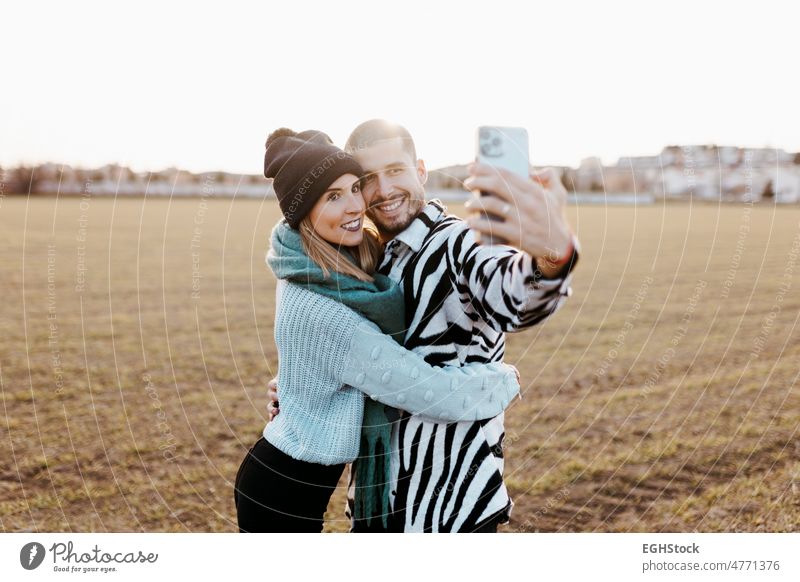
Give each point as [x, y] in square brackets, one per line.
[273, 406]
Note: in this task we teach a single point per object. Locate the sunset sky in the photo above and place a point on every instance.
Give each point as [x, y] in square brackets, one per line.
[151, 85]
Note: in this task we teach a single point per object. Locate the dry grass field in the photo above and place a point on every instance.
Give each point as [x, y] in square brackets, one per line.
[138, 336]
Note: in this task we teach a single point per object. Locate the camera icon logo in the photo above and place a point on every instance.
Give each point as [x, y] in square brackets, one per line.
[31, 555]
[490, 143]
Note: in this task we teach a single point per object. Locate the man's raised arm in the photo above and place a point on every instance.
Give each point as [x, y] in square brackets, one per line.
[514, 288]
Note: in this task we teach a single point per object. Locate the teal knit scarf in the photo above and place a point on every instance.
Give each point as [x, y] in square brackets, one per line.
[382, 303]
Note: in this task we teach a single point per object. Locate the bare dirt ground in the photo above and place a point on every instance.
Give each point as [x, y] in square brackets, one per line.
[138, 336]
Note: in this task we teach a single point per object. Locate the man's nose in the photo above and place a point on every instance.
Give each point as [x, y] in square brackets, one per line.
[384, 185]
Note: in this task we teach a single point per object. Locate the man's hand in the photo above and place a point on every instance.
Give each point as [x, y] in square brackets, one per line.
[534, 212]
[273, 406]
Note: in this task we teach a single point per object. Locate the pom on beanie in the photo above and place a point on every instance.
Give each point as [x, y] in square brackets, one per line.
[280, 132]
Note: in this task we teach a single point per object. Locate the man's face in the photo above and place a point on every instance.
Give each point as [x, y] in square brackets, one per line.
[393, 186]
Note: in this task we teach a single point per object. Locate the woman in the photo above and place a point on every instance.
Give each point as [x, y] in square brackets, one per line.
[338, 325]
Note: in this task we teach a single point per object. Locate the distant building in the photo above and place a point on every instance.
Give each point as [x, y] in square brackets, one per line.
[679, 172]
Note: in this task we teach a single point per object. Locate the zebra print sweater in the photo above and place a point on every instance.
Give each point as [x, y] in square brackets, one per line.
[461, 298]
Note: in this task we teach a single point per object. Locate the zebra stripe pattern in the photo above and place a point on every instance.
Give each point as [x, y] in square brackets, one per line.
[461, 298]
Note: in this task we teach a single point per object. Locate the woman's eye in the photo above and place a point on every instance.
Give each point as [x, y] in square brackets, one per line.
[356, 188]
[333, 196]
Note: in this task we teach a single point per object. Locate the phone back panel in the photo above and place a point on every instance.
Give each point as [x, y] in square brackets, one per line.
[504, 147]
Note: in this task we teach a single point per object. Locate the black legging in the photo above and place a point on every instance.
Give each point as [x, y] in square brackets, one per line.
[277, 493]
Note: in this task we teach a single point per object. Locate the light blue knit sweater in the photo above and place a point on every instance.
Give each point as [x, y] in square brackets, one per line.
[330, 357]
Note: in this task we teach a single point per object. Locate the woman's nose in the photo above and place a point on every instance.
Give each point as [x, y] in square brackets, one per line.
[357, 205]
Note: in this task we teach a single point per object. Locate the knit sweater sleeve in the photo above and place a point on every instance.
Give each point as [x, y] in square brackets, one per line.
[385, 371]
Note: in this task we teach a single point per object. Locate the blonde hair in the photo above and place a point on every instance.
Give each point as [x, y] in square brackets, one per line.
[366, 254]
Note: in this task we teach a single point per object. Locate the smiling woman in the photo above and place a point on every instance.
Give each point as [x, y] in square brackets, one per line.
[336, 223]
[327, 207]
[338, 214]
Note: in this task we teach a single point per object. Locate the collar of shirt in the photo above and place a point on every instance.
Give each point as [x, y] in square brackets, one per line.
[414, 235]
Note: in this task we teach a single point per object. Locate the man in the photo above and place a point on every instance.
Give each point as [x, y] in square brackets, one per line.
[461, 297]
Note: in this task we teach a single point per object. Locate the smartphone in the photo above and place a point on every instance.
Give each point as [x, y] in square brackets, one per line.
[501, 147]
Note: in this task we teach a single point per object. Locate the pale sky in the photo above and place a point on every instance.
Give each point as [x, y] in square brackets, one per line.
[152, 84]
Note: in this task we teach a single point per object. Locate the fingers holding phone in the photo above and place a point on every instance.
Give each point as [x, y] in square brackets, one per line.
[550, 180]
[514, 204]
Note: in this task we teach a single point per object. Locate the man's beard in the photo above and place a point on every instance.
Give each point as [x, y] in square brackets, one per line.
[414, 207]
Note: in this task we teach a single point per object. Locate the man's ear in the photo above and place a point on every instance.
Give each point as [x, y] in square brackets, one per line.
[422, 172]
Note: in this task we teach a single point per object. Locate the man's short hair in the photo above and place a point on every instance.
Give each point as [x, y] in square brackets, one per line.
[375, 130]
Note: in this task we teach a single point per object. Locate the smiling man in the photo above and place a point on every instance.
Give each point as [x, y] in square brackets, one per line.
[461, 298]
[394, 182]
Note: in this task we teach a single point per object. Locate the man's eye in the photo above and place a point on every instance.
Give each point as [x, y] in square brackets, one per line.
[395, 171]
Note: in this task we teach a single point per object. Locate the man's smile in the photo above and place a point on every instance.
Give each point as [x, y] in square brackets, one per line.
[390, 207]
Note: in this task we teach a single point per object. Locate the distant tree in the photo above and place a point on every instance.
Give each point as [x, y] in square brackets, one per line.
[568, 180]
[769, 192]
[25, 180]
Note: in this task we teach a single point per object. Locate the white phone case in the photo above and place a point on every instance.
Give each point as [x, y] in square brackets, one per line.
[501, 147]
[504, 147]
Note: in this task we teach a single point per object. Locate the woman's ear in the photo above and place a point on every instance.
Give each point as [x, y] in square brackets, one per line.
[422, 172]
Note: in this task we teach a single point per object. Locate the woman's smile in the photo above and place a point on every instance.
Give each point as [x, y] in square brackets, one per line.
[353, 225]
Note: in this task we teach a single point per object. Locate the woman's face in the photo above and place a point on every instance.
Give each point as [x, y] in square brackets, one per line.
[338, 216]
